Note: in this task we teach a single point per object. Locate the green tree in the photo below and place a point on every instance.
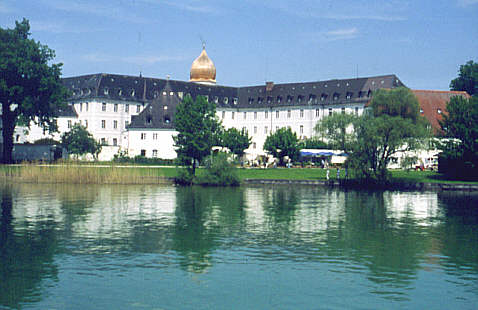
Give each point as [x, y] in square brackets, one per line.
[78, 141]
[467, 79]
[313, 143]
[281, 143]
[392, 125]
[337, 129]
[460, 151]
[237, 141]
[30, 88]
[198, 128]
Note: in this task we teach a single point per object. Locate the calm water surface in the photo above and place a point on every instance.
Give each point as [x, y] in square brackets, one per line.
[165, 247]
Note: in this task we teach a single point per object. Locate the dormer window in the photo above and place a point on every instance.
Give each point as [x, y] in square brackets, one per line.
[149, 119]
[323, 96]
[251, 100]
[279, 99]
[299, 99]
[336, 96]
[260, 99]
[311, 98]
[120, 92]
[132, 93]
[165, 107]
[106, 91]
[167, 119]
[216, 99]
[234, 100]
[360, 94]
[349, 95]
[171, 93]
[226, 100]
[369, 93]
[289, 98]
[155, 94]
[269, 99]
[164, 93]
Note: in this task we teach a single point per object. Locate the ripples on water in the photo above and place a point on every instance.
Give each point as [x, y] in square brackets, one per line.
[164, 247]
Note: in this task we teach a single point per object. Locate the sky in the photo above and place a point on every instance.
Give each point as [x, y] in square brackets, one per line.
[423, 42]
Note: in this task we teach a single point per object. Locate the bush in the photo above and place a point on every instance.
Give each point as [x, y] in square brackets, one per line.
[184, 176]
[219, 172]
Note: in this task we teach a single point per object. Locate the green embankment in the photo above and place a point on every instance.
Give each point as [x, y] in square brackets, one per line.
[127, 174]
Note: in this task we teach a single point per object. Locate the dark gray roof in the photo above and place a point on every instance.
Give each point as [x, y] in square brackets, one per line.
[142, 89]
[159, 113]
[67, 111]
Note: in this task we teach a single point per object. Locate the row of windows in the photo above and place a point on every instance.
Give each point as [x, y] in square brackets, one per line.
[277, 113]
[267, 129]
[144, 136]
[312, 98]
[154, 153]
[104, 106]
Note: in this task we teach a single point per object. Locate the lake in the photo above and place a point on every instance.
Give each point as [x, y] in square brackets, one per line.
[267, 247]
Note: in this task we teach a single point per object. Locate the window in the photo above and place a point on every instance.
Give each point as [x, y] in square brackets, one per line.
[245, 115]
[143, 136]
[301, 113]
[223, 114]
[288, 113]
[216, 99]
[269, 99]
[155, 153]
[277, 114]
[126, 124]
[69, 124]
[115, 124]
[115, 107]
[255, 115]
[279, 99]
[266, 129]
[103, 107]
[266, 114]
[115, 141]
[155, 136]
[232, 115]
[143, 153]
[103, 123]
[226, 100]
[301, 129]
[356, 110]
[336, 96]
[323, 96]
[289, 99]
[86, 123]
[81, 106]
[103, 141]
[253, 145]
[255, 129]
[251, 100]
[317, 112]
[349, 95]
[126, 108]
[311, 98]
[234, 101]
[330, 111]
[138, 108]
[343, 110]
[299, 99]
[86, 106]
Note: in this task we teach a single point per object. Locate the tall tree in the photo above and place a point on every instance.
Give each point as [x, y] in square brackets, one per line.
[467, 79]
[283, 142]
[337, 130]
[197, 127]
[30, 88]
[460, 153]
[79, 141]
[236, 140]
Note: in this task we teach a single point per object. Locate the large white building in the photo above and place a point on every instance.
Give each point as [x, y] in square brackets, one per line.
[136, 114]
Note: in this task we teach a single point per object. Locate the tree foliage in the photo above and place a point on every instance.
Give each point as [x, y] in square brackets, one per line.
[237, 141]
[337, 130]
[282, 142]
[78, 141]
[313, 143]
[198, 129]
[467, 79]
[460, 125]
[30, 88]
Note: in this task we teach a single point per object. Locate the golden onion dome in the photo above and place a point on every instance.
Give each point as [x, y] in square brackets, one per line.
[203, 69]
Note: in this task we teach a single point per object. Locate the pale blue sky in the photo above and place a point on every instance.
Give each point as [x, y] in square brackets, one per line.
[250, 41]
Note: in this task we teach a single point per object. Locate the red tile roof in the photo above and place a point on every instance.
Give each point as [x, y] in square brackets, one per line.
[433, 104]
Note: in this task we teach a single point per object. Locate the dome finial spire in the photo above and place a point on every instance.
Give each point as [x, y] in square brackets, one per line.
[203, 69]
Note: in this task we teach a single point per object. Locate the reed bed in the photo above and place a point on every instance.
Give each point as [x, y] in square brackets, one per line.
[80, 174]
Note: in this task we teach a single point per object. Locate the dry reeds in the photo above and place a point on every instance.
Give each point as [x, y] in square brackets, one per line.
[81, 174]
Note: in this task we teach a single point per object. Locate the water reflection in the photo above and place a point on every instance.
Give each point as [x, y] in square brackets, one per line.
[390, 243]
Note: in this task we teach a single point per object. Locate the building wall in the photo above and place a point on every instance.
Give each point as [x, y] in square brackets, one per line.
[153, 143]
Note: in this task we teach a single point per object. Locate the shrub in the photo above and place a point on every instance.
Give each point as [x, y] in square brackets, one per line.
[219, 171]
